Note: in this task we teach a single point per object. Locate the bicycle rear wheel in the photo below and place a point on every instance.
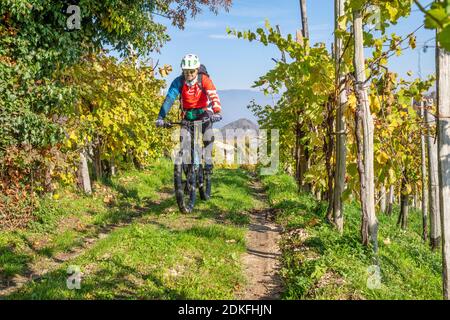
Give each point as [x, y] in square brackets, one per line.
[184, 183]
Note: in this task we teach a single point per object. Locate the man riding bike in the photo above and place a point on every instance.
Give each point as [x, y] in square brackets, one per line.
[199, 99]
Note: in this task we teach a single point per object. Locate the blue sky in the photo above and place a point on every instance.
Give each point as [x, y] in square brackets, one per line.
[237, 63]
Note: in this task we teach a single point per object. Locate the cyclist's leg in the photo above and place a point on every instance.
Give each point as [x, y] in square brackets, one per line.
[208, 142]
[191, 146]
[186, 140]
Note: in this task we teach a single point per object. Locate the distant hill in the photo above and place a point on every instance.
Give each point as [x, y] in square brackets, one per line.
[235, 102]
[239, 124]
[226, 143]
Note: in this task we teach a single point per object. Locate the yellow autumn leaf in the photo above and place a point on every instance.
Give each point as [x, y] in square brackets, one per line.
[412, 42]
[168, 68]
[375, 103]
[317, 88]
[73, 136]
[106, 122]
[352, 102]
[392, 177]
[162, 72]
[342, 22]
[408, 189]
[382, 157]
[392, 11]
[98, 67]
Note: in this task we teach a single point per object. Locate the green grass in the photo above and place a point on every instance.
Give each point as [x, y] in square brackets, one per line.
[231, 197]
[158, 253]
[150, 262]
[161, 254]
[326, 265]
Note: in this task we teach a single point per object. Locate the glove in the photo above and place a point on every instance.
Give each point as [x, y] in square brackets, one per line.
[159, 123]
[209, 113]
[216, 117]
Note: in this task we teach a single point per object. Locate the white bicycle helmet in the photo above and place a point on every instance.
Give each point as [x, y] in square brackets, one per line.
[190, 61]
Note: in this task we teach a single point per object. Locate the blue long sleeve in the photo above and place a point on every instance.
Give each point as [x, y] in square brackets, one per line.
[172, 95]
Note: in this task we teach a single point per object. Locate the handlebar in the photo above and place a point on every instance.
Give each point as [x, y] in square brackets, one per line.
[185, 122]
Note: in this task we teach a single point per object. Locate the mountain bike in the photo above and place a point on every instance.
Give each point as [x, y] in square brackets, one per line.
[190, 175]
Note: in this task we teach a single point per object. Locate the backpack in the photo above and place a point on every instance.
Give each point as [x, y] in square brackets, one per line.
[201, 71]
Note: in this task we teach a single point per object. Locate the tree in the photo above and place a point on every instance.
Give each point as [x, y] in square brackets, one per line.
[443, 127]
[308, 81]
[425, 198]
[382, 198]
[117, 122]
[179, 10]
[438, 17]
[35, 41]
[433, 181]
[341, 97]
[390, 200]
[302, 152]
[304, 19]
[37, 104]
[404, 203]
[364, 136]
[83, 171]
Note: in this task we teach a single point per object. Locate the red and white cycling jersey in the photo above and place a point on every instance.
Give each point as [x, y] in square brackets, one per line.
[192, 97]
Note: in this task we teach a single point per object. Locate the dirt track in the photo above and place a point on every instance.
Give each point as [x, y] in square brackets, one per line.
[262, 259]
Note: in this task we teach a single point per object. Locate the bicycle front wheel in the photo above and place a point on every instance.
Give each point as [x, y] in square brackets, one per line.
[204, 183]
[184, 183]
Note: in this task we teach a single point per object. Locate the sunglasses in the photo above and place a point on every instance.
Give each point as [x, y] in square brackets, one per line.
[190, 71]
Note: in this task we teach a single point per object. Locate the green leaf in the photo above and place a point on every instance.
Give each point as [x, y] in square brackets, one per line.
[346, 194]
[437, 14]
[352, 169]
[368, 39]
[444, 38]
[356, 5]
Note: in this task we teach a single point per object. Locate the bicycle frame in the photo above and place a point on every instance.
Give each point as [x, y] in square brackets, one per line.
[190, 126]
[191, 171]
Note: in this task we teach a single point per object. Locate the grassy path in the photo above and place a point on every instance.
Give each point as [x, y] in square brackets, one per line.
[130, 242]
